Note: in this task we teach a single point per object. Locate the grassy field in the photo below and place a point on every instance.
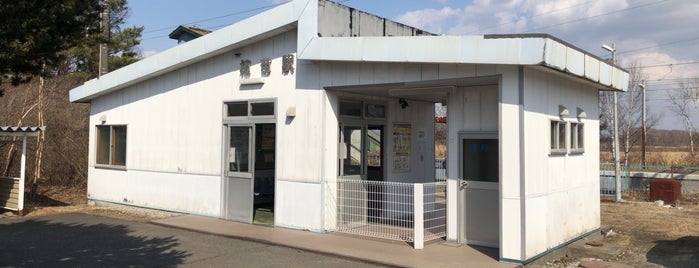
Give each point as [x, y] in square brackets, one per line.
[664, 157]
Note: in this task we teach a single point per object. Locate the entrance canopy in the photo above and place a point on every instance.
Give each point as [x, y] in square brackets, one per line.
[430, 91]
[12, 189]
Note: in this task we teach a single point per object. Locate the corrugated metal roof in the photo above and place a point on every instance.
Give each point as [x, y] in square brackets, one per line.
[21, 129]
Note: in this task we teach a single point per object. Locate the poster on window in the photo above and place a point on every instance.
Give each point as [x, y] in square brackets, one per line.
[401, 147]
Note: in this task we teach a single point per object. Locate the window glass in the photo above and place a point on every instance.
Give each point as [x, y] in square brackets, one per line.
[351, 108]
[558, 137]
[111, 145]
[239, 149]
[554, 135]
[375, 111]
[561, 135]
[577, 137]
[481, 160]
[581, 136]
[352, 151]
[119, 157]
[237, 108]
[103, 141]
[262, 108]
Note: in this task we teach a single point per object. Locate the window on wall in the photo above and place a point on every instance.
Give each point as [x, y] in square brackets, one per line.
[250, 108]
[558, 137]
[360, 109]
[111, 145]
[577, 137]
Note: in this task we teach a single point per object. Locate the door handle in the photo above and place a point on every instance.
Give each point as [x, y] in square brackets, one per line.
[463, 184]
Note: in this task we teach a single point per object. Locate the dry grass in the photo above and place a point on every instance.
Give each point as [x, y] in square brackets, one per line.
[440, 150]
[646, 222]
[661, 158]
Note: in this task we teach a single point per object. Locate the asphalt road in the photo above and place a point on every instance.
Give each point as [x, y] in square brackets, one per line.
[82, 240]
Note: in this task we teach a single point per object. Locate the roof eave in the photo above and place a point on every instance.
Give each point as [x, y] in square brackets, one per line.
[274, 21]
[531, 50]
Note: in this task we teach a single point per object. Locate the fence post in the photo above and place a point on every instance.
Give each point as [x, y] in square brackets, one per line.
[418, 217]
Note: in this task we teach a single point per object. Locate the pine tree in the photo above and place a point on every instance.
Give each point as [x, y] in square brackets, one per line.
[36, 32]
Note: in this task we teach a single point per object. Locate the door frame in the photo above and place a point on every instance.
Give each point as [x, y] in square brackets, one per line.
[461, 207]
[251, 121]
[227, 175]
[363, 125]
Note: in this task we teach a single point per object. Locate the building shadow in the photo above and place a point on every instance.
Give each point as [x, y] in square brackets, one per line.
[682, 252]
[50, 243]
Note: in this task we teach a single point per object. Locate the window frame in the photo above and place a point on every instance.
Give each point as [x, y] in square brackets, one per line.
[577, 129]
[555, 146]
[249, 111]
[113, 146]
[364, 114]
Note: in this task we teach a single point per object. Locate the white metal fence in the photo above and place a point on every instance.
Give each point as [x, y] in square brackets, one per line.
[440, 169]
[410, 212]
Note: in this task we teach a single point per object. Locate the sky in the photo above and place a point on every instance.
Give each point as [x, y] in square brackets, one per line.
[658, 37]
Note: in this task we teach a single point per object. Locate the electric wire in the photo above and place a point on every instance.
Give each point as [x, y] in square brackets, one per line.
[595, 16]
[533, 16]
[218, 17]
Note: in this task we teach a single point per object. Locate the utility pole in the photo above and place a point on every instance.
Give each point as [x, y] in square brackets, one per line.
[104, 48]
[617, 169]
[643, 122]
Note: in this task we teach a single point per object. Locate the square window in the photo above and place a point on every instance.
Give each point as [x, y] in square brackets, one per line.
[111, 145]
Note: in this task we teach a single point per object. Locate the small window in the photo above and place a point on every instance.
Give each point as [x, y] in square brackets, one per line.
[577, 137]
[351, 108]
[246, 108]
[375, 111]
[558, 137]
[111, 145]
[262, 108]
[237, 108]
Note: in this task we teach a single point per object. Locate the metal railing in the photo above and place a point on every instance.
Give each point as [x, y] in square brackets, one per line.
[635, 179]
[607, 180]
[410, 212]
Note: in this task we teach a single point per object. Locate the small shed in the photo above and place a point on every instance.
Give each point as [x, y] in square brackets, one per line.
[12, 188]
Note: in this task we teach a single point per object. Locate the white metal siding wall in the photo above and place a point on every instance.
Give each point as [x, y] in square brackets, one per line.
[562, 199]
[175, 126]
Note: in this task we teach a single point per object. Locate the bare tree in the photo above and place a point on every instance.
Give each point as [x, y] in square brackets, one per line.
[684, 101]
[629, 114]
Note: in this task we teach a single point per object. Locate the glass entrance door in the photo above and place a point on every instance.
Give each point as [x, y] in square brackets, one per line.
[238, 182]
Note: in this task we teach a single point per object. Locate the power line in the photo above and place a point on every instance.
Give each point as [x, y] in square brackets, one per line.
[534, 16]
[217, 17]
[595, 16]
[664, 44]
[662, 65]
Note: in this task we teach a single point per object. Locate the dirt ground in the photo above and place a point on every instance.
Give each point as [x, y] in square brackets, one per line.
[61, 199]
[665, 235]
[649, 235]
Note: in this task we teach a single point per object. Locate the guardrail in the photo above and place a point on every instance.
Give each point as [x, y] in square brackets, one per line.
[410, 212]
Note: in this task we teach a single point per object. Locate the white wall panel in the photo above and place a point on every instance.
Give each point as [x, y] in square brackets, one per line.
[511, 233]
[564, 187]
[197, 194]
[297, 205]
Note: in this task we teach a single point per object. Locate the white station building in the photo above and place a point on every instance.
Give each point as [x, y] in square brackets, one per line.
[280, 108]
